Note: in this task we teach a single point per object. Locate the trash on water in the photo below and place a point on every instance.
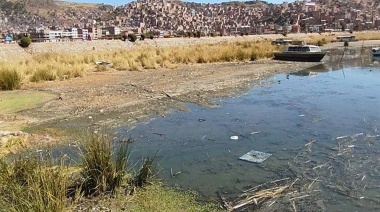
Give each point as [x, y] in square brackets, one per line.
[257, 132]
[353, 136]
[351, 146]
[302, 115]
[255, 156]
[234, 137]
[358, 134]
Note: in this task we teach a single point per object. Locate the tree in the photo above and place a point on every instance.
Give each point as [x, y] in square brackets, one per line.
[132, 37]
[25, 41]
[124, 38]
[343, 26]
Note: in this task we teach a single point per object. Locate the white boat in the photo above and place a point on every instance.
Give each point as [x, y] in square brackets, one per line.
[303, 53]
[376, 51]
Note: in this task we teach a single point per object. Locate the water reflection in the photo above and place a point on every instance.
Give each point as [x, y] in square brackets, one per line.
[337, 59]
[312, 70]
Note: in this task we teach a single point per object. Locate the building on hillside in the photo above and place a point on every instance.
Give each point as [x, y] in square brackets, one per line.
[8, 38]
[113, 30]
[84, 34]
[54, 35]
[95, 32]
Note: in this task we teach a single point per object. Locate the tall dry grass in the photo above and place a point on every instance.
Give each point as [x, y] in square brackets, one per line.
[31, 184]
[375, 35]
[61, 66]
[103, 170]
[10, 79]
[324, 38]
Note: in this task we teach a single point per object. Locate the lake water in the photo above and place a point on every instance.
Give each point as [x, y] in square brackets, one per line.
[336, 105]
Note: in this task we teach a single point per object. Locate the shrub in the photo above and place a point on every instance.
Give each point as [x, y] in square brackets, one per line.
[132, 37]
[142, 37]
[25, 41]
[145, 173]
[9, 79]
[345, 44]
[198, 34]
[321, 42]
[124, 38]
[29, 184]
[100, 172]
[43, 75]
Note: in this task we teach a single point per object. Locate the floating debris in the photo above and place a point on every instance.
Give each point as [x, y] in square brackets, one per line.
[234, 137]
[255, 156]
[340, 137]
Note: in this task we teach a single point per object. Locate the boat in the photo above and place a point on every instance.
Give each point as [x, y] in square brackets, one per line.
[344, 38]
[376, 51]
[287, 41]
[301, 53]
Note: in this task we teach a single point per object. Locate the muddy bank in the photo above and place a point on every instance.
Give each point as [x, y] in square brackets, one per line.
[106, 97]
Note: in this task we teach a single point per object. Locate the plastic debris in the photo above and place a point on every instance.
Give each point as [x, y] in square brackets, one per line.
[103, 63]
[255, 156]
[257, 132]
[234, 137]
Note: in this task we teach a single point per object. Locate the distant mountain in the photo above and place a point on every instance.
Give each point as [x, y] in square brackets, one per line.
[20, 14]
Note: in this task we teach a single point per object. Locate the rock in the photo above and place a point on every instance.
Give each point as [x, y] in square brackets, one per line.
[4, 133]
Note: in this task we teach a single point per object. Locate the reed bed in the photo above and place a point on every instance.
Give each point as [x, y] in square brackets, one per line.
[39, 182]
[62, 66]
[368, 35]
[32, 184]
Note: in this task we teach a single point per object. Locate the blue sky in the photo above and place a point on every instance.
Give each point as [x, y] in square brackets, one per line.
[119, 2]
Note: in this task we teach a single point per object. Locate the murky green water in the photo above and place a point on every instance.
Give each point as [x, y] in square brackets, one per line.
[280, 119]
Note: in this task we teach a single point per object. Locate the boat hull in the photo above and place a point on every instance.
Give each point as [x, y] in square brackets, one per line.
[376, 52]
[299, 56]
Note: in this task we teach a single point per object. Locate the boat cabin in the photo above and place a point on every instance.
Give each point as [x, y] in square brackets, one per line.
[287, 41]
[348, 38]
[302, 48]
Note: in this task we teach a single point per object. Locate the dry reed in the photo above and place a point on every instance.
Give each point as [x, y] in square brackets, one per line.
[61, 66]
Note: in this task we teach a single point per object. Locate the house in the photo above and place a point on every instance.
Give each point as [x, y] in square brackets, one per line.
[8, 38]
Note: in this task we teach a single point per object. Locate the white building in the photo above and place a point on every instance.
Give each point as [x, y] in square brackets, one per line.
[54, 35]
[117, 31]
[74, 33]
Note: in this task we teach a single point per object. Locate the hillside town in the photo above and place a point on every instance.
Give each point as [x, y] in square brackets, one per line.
[173, 18]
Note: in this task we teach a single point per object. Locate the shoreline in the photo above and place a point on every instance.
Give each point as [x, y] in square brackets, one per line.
[112, 98]
[115, 98]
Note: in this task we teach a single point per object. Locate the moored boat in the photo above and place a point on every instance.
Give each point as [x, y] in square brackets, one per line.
[301, 53]
[376, 51]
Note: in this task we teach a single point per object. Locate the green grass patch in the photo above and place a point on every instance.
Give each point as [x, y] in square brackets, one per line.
[158, 198]
[15, 101]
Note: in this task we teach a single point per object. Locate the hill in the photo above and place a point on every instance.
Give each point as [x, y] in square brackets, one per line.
[21, 14]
